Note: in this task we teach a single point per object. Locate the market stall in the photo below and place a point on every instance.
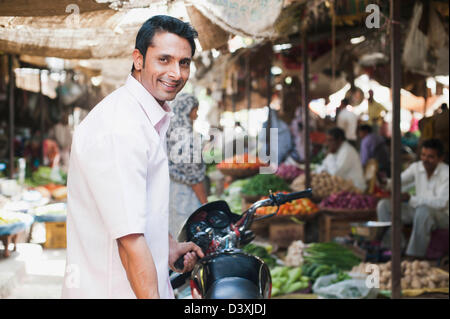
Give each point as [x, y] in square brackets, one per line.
[290, 54]
[40, 199]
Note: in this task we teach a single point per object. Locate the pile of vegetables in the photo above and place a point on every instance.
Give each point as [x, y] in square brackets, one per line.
[244, 162]
[294, 256]
[46, 175]
[262, 253]
[321, 259]
[331, 254]
[5, 221]
[232, 195]
[323, 185]
[341, 276]
[349, 200]
[298, 207]
[58, 209]
[8, 217]
[288, 172]
[315, 270]
[415, 275]
[286, 280]
[262, 184]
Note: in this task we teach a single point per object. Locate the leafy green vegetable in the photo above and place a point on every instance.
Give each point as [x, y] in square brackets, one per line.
[331, 254]
[261, 252]
[44, 175]
[262, 184]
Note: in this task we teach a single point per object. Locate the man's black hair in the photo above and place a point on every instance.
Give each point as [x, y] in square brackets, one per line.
[434, 144]
[365, 128]
[163, 23]
[345, 101]
[444, 107]
[337, 133]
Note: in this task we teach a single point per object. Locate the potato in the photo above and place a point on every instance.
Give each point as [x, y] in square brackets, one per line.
[424, 282]
[407, 279]
[404, 284]
[416, 284]
[424, 265]
[431, 285]
[434, 278]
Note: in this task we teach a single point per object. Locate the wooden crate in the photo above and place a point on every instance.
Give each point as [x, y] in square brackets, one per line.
[55, 235]
[339, 225]
[284, 234]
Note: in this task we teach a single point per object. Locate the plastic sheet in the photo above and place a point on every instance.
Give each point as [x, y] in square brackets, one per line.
[24, 222]
[355, 288]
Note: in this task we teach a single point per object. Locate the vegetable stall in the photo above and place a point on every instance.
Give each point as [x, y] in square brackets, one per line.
[40, 199]
[334, 264]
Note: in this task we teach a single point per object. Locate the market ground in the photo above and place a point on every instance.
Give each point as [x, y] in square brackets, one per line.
[32, 272]
[35, 273]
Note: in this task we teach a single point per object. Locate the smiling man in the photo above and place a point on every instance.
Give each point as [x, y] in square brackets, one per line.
[118, 243]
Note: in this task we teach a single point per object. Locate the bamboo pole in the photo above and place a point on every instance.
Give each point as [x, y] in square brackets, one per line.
[12, 83]
[395, 149]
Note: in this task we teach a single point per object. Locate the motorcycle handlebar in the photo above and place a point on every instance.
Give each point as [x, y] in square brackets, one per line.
[273, 200]
[179, 263]
[283, 198]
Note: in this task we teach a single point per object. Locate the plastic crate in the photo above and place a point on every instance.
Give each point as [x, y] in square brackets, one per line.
[55, 235]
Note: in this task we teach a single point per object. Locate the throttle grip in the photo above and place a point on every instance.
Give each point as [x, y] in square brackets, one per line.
[179, 263]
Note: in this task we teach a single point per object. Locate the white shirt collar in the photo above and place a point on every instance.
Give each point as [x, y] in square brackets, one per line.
[155, 112]
[435, 172]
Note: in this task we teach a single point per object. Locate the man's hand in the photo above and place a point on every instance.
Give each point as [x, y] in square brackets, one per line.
[190, 251]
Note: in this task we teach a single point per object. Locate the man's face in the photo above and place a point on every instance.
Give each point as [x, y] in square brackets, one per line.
[332, 144]
[167, 66]
[361, 134]
[429, 158]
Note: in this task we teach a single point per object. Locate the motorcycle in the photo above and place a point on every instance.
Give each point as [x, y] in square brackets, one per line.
[226, 271]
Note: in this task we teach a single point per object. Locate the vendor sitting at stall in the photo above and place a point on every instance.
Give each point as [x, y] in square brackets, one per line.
[429, 208]
[342, 159]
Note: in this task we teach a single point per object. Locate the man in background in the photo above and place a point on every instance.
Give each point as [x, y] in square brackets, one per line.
[342, 159]
[347, 121]
[428, 209]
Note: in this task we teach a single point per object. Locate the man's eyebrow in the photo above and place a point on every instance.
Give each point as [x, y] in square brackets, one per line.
[165, 55]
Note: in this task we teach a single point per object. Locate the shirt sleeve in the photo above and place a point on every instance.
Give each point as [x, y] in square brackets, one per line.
[115, 168]
[408, 175]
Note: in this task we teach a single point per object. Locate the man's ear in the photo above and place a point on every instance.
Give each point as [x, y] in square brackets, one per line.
[138, 60]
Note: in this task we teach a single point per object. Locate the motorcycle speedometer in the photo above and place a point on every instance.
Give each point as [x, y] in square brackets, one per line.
[197, 227]
[218, 219]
